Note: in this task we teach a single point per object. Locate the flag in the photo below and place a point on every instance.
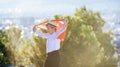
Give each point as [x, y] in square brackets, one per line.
[59, 24]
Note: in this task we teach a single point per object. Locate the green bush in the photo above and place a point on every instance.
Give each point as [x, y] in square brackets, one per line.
[86, 45]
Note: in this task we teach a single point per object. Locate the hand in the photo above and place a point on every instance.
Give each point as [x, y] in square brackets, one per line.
[65, 23]
[34, 28]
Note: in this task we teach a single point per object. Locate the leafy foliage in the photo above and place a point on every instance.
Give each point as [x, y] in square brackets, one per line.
[85, 45]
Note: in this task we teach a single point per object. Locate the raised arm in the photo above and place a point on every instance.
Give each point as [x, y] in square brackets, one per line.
[38, 32]
[62, 29]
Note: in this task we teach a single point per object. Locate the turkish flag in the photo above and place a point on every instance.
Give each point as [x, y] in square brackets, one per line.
[59, 24]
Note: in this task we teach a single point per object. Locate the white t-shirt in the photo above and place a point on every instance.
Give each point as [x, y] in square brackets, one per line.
[53, 43]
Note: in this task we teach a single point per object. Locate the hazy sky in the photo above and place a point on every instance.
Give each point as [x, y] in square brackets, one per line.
[43, 9]
[51, 7]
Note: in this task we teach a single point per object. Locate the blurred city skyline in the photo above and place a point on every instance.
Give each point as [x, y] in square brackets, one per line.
[24, 12]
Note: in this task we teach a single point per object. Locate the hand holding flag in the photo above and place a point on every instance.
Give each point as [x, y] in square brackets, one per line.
[59, 23]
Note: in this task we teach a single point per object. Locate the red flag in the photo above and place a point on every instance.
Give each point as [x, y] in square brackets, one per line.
[59, 24]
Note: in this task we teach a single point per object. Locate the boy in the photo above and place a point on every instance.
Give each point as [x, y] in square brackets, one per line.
[53, 43]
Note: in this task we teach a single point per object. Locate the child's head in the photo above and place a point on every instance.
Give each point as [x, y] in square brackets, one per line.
[51, 27]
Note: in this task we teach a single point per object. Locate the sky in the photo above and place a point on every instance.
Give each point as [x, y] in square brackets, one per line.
[49, 8]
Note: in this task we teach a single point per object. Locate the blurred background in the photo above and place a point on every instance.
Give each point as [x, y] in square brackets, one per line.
[24, 14]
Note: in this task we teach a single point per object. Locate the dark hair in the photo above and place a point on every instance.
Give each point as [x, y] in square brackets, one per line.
[52, 26]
